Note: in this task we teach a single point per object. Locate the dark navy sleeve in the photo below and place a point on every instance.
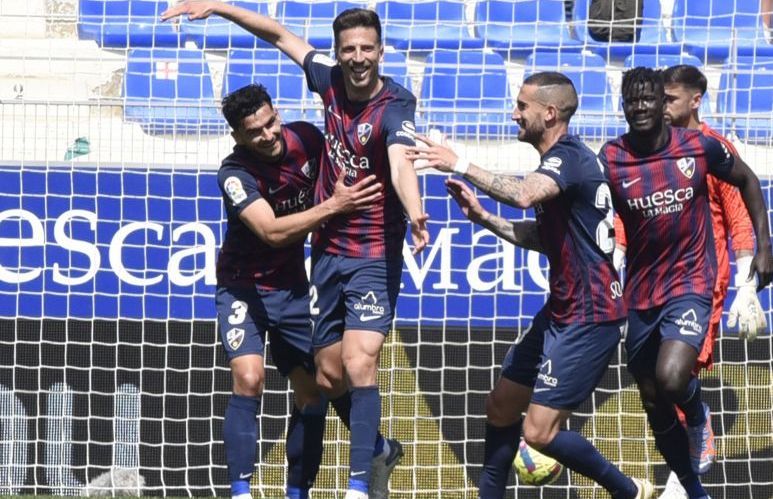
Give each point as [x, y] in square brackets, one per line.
[318, 68]
[238, 186]
[719, 159]
[562, 165]
[399, 121]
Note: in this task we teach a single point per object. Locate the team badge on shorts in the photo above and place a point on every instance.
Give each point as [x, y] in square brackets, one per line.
[363, 132]
[235, 337]
[369, 308]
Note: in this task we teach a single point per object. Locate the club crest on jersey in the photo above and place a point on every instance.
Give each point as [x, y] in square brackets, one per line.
[234, 337]
[686, 166]
[234, 189]
[363, 132]
[310, 169]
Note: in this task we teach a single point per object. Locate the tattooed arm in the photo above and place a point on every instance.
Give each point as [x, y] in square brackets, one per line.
[523, 233]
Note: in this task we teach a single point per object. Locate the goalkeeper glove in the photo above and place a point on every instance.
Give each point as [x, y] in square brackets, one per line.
[746, 310]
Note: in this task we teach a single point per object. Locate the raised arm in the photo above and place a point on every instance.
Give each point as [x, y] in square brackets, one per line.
[281, 231]
[522, 233]
[510, 189]
[261, 26]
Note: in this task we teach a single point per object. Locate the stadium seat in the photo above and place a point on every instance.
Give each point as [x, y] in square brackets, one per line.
[710, 28]
[313, 21]
[422, 26]
[466, 94]
[745, 99]
[652, 36]
[520, 26]
[170, 91]
[596, 117]
[281, 76]
[395, 66]
[126, 23]
[215, 32]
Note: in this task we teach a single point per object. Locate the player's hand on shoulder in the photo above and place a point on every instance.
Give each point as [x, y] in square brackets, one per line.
[419, 233]
[428, 153]
[466, 199]
[357, 197]
[762, 265]
[196, 9]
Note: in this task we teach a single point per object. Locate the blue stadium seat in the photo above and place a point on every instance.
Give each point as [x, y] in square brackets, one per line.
[520, 26]
[707, 28]
[281, 76]
[663, 61]
[745, 99]
[596, 117]
[652, 36]
[218, 33]
[170, 91]
[424, 26]
[313, 21]
[396, 67]
[126, 23]
[466, 94]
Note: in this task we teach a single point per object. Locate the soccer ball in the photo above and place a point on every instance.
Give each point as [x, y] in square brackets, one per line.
[534, 468]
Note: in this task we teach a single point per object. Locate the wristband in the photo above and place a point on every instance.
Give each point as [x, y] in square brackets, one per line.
[742, 267]
[462, 165]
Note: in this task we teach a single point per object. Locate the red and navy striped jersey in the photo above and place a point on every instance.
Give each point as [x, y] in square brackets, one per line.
[662, 199]
[288, 186]
[576, 230]
[357, 135]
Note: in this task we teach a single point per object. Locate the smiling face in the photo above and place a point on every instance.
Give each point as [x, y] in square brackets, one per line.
[260, 132]
[644, 107]
[359, 52]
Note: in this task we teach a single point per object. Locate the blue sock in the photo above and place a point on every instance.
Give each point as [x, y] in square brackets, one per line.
[365, 418]
[304, 448]
[240, 438]
[691, 406]
[343, 407]
[574, 451]
[672, 444]
[499, 451]
[239, 487]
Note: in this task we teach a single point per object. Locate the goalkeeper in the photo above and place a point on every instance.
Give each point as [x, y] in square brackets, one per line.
[268, 190]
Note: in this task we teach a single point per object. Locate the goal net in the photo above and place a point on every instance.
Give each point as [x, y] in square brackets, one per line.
[110, 222]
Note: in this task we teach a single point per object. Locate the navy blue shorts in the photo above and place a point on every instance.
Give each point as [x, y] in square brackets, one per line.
[244, 315]
[563, 363]
[685, 318]
[352, 293]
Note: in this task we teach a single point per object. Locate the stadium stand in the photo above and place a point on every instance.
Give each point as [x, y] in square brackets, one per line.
[421, 26]
[312, 20]
[716, 29]
[169, 91]
[520, 27]
[126, 23]
[282, 77]
[396, 67]
[745, 99]
[597, 117]
[218, 33]
[652, 35]
[466, 94]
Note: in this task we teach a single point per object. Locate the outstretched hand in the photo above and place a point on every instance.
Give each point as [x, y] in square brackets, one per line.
[194, 9]
[466, 199]
[432, 155]
[357, 197]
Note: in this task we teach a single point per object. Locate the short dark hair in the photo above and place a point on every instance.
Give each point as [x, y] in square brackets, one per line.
[564, 99]
[686, 75]
[356, 18]
[642, 76]
[243, 102]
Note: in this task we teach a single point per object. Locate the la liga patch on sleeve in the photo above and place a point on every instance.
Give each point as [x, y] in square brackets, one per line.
[234, 190]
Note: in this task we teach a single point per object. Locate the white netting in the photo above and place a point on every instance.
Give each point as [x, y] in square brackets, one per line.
[110, 219]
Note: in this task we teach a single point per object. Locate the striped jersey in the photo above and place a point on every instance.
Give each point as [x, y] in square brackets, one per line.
[662, 200]
[357, 135]
[577, 232]
[288, 186]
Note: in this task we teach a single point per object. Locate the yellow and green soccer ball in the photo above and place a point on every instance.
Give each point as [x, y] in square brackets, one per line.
[534, 468]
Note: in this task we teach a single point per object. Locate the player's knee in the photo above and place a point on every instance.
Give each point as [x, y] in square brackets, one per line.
[673, 388]
[249, 383]
[537, 436]
[360, 370]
